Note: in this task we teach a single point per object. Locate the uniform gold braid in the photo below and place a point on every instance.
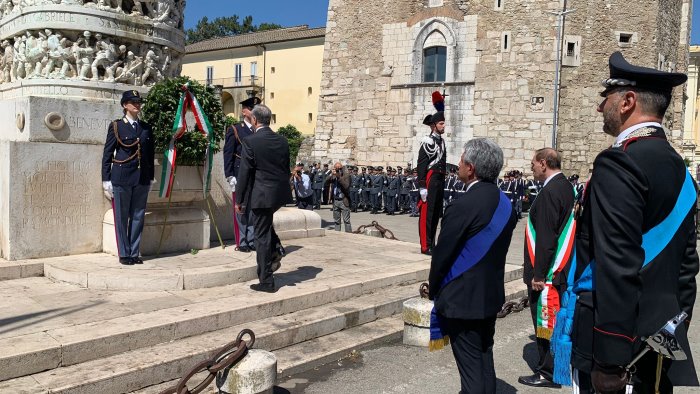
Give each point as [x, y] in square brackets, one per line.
[137, 144]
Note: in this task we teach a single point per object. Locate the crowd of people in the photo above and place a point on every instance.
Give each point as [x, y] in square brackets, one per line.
[606, 266]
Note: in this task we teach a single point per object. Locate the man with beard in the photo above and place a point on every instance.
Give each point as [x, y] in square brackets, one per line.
[432, 165]
[636, 261]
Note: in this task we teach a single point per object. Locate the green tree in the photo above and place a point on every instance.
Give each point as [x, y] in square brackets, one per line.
[294, 138]
[160, 108]
[225, 26]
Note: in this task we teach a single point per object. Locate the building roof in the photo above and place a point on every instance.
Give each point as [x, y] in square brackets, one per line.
[257, 38]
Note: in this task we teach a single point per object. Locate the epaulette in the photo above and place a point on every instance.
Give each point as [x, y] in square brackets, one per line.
[427, 140]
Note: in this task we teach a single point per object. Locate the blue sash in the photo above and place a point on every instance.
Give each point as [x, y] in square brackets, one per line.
[653, 242]
[475, 248]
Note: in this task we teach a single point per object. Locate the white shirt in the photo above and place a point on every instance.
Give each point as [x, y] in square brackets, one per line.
[471, 184]
[549, 178]
[250, 126]
[131, 120]
[621, 137]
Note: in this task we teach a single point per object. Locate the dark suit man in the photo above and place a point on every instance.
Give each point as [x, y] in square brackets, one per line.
[340, 191]
[635, 288]
[243, 222]
[550, 220]
[127, 174]
[264, 187]
[467, 268]
[317, 182]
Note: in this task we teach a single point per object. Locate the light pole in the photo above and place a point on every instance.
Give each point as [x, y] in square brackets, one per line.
[560, 30]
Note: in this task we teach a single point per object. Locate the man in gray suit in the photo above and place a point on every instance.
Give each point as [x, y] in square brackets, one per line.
[264, 185]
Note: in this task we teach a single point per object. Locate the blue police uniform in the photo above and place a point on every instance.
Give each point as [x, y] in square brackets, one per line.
[127, 162]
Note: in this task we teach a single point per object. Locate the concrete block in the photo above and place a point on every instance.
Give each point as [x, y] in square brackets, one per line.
[416, 317]
[256, 373]
[186, 228]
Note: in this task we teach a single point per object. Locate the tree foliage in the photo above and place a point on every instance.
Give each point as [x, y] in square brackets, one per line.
[160, 108]
[225, 26]
[294, 138]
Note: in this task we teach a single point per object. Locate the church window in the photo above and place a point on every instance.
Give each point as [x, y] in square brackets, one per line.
[311, 117]
[498, 5]
[505, 42]
[434, 64]
[210, 75]
[570, 48]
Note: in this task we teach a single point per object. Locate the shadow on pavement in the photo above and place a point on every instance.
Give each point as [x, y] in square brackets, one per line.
[292, 248]
[530, 356]
[299, 275]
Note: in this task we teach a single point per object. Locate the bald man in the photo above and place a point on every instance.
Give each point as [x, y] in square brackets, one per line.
[549, 221]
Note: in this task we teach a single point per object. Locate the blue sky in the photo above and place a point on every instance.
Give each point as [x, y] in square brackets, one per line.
[303, 12]
[282, 12]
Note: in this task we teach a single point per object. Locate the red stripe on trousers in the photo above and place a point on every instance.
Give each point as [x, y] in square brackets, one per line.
[423, 219]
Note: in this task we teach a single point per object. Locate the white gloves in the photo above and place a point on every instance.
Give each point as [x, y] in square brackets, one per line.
[107, 187]
[232, 182]
[150, 187]
[424, 194]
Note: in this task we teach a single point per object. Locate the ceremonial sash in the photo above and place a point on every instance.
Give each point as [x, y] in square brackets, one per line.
[475, 248]
[548, 304]
[653, 242]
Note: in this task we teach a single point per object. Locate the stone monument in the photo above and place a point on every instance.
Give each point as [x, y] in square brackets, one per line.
[63, 66]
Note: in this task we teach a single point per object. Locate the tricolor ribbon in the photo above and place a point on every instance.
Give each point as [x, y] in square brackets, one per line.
[549, 303]
[187, 100]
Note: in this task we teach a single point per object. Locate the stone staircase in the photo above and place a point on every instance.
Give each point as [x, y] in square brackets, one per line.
[73, 334]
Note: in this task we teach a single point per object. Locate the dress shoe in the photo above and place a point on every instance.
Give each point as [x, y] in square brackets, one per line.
[538, 380]
[126, 261]
[243, 249]
[263, 287]
[137, 260]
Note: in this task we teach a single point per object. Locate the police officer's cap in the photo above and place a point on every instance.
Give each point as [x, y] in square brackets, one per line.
[399, 168]
[251, 102]
[364, 169]
[438, 117]
[624, 74]
[300, 164]
[573, 177]
[370, 168]
[389, 169]
[428, 120]
[131, 95]
[379, 168]
[325, 165]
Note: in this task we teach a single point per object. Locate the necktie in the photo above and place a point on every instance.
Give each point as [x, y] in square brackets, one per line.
[133, 125]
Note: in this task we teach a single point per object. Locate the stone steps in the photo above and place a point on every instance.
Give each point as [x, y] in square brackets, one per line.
[164, 362]
[38, 351]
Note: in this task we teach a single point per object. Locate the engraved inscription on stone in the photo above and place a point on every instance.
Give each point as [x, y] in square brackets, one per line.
[56, 196]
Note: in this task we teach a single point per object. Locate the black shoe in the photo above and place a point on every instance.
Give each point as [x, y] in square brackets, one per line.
[263, 288]
[137, 260]
[243, 249]
[538, 380]
[126, 261]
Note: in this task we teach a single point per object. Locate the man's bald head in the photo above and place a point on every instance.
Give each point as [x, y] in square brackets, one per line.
[551, 157]
[337, 166]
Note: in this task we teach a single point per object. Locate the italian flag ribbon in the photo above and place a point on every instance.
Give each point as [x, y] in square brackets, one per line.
[549, 303]
[187, 101]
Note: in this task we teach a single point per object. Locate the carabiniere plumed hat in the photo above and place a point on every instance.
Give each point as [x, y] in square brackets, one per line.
[130, 95]
[624, 74]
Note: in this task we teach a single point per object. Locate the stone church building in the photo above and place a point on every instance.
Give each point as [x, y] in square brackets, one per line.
[496, 61]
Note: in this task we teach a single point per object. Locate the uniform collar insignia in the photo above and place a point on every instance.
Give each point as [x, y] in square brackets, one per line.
[644, 132]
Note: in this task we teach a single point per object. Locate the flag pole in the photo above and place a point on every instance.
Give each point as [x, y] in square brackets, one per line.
[167, 210]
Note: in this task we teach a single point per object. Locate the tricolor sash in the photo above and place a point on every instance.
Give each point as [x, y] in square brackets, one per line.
[548, 304]
[653, 242]
[475, 248]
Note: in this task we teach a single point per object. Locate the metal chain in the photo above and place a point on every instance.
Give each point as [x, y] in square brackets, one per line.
[226, 357]
[424, 290]
[386, 233]
[513, 306]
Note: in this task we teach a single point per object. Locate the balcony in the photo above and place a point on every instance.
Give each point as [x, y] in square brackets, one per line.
[248, 81]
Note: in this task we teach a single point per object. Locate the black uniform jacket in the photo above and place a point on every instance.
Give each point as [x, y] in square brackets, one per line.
[478, 293]
[427, 162]
[632, 189]
[232, 148]
[263, 177]
[549, 214]
[134, 171]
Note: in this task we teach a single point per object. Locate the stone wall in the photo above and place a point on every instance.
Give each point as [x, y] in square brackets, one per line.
[500, 74]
